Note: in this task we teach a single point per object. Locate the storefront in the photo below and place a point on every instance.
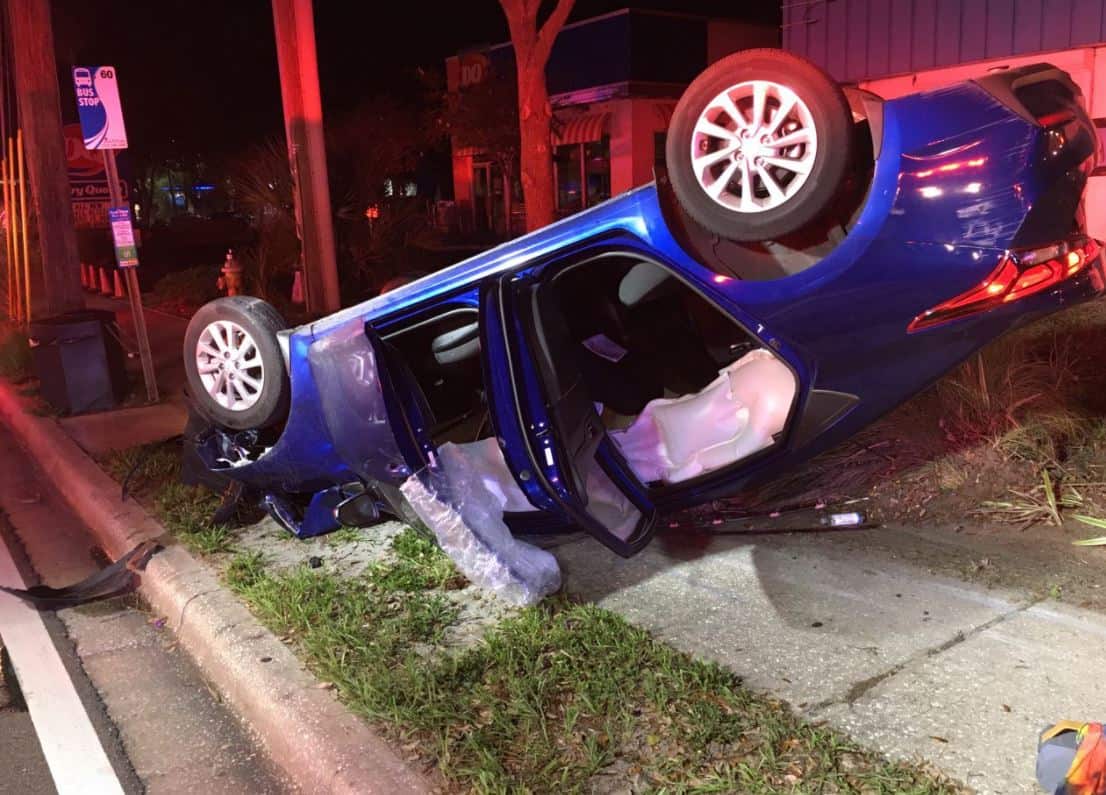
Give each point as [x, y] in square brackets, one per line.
[612, 98]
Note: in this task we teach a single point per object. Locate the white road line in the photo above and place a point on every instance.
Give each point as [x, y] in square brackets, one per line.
[77, 761]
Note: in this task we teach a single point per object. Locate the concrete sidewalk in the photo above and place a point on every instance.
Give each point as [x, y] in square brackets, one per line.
[912, 664]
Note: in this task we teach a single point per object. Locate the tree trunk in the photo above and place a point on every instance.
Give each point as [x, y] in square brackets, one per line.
[508, 198]
[57, 287]
[534, 124]
[532, 45]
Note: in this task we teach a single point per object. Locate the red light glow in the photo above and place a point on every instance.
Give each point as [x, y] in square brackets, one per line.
[1017, 276]
[956, 165]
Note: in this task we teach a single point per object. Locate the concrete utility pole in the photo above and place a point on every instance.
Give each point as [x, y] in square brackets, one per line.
[294, 22]
[56, 288]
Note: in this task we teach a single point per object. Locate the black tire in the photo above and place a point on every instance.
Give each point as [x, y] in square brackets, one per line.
[262, 322]
[832, 122]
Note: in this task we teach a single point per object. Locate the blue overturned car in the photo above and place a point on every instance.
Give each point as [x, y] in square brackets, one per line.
[809, 259]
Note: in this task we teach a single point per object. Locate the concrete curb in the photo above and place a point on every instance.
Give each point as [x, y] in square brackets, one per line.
[319, 744]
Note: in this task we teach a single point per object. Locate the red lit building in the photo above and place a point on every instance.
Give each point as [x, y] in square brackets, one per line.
[613, 82]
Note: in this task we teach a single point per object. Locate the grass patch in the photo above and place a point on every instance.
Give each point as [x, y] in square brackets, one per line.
[15, 354]
[346, 535]
[418, 565]
[558, 698]
[152, 472]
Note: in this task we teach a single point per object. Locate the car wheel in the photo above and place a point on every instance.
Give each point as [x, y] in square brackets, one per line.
[759, 145]
[233, 363]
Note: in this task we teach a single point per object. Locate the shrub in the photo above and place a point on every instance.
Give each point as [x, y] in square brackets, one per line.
[15, 355]
[187, 289]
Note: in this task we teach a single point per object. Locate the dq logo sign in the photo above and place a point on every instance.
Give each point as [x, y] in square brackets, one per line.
[82, 163]
[475, 68]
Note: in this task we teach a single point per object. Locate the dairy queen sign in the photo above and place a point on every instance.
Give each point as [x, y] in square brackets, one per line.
[88, 184]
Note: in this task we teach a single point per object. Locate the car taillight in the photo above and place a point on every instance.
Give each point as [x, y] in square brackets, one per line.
[1020, 273]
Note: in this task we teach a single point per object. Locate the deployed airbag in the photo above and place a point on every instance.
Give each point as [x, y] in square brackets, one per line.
[734, 416]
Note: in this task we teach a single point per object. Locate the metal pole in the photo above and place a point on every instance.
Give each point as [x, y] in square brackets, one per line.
[23, 226]
[134, 294]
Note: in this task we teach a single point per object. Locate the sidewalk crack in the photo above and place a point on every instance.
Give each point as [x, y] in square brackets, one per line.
[865, 686]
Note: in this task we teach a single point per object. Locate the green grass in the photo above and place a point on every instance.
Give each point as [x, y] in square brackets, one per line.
[554, 697]
[184, 510]
[347, 535]
[418, 565]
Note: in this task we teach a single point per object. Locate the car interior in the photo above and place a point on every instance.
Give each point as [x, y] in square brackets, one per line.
[680, 387]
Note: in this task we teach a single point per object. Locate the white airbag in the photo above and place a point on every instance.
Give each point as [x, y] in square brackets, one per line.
[731, 418]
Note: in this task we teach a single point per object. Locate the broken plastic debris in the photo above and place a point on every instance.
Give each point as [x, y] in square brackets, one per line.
[462, 500]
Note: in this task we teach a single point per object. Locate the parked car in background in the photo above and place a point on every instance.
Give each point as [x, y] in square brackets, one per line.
[812, 258]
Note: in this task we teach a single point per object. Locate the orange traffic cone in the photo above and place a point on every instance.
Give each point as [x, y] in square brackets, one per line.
[105, 285]
[119, 285]
[297, 288]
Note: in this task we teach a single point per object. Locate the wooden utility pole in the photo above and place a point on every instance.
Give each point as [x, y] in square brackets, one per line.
[294, 23]
[56, 287]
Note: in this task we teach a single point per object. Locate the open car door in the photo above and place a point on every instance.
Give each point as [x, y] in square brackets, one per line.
[376, 413]
[552, 437]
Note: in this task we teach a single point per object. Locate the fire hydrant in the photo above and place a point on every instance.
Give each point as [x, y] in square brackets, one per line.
[231, 280]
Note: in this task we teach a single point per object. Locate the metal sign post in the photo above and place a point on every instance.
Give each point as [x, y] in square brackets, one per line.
[101, 115]
[134, 295]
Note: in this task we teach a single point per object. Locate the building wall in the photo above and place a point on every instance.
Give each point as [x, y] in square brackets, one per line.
[864, 39]
[725, 37]
[1087, 67]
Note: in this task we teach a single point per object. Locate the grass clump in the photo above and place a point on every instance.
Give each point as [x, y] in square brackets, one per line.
[152, 472]
[559, 698]
[419, 564]
[15, 354]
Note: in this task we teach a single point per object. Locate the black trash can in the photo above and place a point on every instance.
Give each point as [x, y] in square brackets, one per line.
[79, 362]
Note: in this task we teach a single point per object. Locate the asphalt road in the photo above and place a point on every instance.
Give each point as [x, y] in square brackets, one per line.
[23, 768]
[162, 728]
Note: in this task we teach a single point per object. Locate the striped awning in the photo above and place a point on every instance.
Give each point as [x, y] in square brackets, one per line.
[664, 112]
[582, 129]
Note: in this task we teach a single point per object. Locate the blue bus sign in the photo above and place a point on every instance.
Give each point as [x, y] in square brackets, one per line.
[99, 108]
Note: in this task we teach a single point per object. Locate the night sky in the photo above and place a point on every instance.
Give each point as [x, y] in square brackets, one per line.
[200, 76]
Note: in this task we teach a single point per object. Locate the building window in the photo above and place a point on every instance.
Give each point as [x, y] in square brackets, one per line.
[583, 173]
[597, 171]
[570, 196]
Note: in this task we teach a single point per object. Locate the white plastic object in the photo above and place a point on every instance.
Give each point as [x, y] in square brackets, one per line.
[462, 500]
[734, 416]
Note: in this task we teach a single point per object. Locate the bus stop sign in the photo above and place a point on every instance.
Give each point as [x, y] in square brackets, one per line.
[99, 107]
